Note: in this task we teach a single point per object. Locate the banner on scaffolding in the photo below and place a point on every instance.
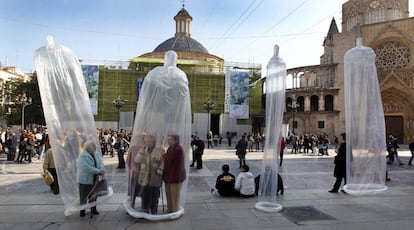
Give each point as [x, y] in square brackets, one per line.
[239, 94]
[91, 76]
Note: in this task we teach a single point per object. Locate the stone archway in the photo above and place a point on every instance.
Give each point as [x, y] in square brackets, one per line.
[394, 125]
[398, 109]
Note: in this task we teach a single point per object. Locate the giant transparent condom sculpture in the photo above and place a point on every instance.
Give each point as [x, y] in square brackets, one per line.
[68, 117]
[365, 125]
[163, 110]
[275, 101]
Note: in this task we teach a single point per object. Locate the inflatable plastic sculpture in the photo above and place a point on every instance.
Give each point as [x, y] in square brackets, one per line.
[365, 125]
[69, 118]
[275, 101]
[157, 161]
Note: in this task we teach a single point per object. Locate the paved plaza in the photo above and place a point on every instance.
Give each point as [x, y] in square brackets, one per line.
[26, 203]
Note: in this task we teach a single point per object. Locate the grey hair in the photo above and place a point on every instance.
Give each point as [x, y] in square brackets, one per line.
[88, 145]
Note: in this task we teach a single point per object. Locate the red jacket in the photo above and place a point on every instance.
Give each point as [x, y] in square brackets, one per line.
[282, 144]
[174, 170]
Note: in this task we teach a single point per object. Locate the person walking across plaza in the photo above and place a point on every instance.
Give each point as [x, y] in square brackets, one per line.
[241, 148]
[119, 146]
[209, 139]
[392, 147]
[340, 165]
[49, 165]
[411, 147]
[198, 148]
[282, 150]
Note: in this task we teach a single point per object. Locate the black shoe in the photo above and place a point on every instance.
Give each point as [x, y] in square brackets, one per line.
[343, 191]
[82, 213]
[192, 165]
[333, 191]
[94, 212]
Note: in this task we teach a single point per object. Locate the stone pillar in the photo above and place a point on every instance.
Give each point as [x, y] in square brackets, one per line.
[307, 103]
[321, 102]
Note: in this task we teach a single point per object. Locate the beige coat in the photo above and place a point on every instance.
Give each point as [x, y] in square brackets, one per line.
[48, 161]
[150, 166]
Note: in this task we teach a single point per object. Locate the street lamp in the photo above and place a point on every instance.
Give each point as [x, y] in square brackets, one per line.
[24, 101]
[208, 106]
[118, 103]
[294, 106]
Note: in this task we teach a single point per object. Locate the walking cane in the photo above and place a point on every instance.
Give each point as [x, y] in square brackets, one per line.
[162, 198]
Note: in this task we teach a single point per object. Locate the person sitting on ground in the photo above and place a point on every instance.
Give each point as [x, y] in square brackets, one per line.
[225, 183]
[245, 182]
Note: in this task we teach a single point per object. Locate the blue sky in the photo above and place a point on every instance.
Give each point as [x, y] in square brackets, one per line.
[117, 30]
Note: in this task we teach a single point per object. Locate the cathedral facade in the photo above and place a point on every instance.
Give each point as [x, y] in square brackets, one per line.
[315, 103]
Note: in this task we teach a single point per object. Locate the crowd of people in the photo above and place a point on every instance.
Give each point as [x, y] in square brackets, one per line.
[311, 143]
[22, 146]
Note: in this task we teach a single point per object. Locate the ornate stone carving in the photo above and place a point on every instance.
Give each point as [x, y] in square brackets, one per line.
[392, 107]
[392, 55]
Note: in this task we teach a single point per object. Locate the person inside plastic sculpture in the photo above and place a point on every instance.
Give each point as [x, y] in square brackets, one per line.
[174, 172]
[89, 167]
[340, 165]
[134, 188]
[150, 167]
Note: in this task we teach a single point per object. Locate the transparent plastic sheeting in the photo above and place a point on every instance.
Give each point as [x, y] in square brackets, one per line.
[275, 101]
[157, 182]
[365, 125]
[68, 117]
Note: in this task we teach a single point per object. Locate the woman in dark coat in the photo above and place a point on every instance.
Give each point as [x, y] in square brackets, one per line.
[174, 172]
[340, 165]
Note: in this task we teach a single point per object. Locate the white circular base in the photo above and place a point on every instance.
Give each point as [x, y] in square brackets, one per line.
[101, 200]
[268, 206]
[364, 188]
[153, 217]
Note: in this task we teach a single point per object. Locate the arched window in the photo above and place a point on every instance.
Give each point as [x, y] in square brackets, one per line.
[301, 102]
[314, 106]
[375, 12]
[329, 103]
[352, 20]
[396, 11]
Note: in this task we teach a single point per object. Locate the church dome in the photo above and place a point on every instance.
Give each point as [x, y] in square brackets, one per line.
[182, 40]
[181, 43]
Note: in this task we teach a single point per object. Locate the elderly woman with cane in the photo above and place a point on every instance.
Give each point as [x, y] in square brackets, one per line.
[89, 167]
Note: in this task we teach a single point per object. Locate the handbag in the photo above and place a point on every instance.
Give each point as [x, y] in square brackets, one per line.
[101, 187]
[48, 178]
